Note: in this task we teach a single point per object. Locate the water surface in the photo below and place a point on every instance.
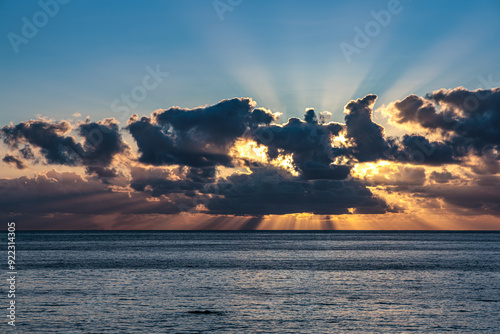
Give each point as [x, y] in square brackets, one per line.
[257, 282]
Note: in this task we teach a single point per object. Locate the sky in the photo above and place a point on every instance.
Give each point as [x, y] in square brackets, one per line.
[239, 114]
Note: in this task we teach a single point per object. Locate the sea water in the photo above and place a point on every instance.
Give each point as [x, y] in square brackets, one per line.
[256, 282]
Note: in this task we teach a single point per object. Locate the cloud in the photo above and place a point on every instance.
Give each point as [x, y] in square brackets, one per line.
[308, 142]
[419, 111]
[102, 172]
[480, 198]
[488, 163]
[10, 159]
[70, 193]
[158, 146]
[458, 192]
[442, 177]
[180, 180]
[310, 116]
[467, 121]
[48, 136]
[102, 141]
[370, 144]
[272, 191]
[478, 114]
[417, 149]
[197, 137]
[235, 159]
[390, 175]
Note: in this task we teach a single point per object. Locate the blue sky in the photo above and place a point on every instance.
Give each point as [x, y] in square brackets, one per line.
[283, 54]
[65, 60]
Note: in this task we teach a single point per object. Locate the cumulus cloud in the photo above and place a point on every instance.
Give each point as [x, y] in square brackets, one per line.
[308, 142]
[197, 137]
[370, 144]
[419, 111]
[468, 122]
[419, 150]
[48, 136]
[102, 141]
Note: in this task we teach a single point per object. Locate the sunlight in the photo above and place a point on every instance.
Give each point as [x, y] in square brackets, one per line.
[339, 141]
[251, 150]
[368, 169]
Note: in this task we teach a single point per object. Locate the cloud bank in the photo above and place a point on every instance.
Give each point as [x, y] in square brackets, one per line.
[233, 158]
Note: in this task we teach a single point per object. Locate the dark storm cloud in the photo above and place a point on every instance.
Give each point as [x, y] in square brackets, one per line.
[479, 115]
[48, 136]
[159, 146]
[271, 191]
[419, 150]
[268, 190]
[370, 144]
[469, 121]
[10, 159]
[102, 141]
[197, 137]
[312, 170]
[414, 109]
[309, 143]
[220, 124]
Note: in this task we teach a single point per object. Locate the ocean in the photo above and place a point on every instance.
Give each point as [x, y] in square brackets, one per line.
[256, 282]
